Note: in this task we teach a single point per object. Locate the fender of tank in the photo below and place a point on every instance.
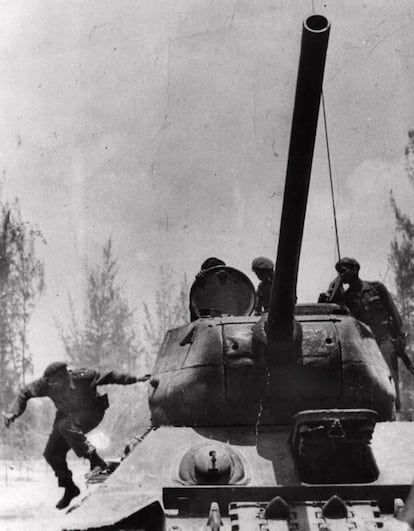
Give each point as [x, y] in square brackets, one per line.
[267, 422]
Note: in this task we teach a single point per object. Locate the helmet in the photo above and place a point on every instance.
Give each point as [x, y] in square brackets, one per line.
[54, 368]
[347, 262]
[262, 263]
[211, 262]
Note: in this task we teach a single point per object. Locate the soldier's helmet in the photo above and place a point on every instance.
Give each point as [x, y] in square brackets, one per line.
[349, 263]
[262, 263]
[55, 368]
[211, 262]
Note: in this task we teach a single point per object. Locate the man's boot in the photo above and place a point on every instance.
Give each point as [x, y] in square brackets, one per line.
[71, 491]
[96, 461]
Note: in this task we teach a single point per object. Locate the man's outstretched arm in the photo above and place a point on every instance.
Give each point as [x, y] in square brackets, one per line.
[115, 377]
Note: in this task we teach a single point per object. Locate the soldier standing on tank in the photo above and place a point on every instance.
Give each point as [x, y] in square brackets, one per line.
[371, 303]
[207, 264]
[263, 269]
[79, 410]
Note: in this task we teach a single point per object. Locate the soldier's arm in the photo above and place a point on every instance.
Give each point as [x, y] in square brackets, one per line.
[35, 389]
[397, 326]
[114, 377]
[394, 314]
[258, 305]
[334, 293]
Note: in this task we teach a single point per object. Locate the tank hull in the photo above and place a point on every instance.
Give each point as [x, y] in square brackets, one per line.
[149, 478]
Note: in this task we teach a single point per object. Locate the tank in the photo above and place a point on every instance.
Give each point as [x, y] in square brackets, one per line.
[270, 422]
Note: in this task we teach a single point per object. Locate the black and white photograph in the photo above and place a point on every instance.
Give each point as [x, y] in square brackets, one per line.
[206, 265]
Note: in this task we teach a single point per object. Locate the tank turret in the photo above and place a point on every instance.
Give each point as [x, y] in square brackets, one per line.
[229, 365]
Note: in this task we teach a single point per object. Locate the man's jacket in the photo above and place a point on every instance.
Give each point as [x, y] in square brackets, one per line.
[372, 304]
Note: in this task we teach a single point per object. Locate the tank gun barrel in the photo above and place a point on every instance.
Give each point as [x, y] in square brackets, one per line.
[302, 141]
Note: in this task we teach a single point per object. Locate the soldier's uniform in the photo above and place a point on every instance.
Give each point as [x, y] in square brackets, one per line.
[79, 409]
[263, 296]
[263, 268]
[372, 304]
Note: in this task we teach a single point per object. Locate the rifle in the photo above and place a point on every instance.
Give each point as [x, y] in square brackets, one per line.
[399, 344]
[334, 293]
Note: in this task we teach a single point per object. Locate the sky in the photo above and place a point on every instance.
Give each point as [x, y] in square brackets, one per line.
[165, 126]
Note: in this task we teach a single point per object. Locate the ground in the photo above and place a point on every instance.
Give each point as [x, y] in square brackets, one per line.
[29, 493]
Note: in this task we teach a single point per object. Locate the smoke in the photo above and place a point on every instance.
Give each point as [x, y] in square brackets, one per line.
[100, 440]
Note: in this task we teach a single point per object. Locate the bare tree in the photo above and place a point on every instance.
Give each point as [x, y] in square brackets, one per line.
[105, 337]
[21, 284]
[171, 309]
[401, 259]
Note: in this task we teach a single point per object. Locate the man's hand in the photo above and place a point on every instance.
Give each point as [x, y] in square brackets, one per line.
[143, 378]
[8, 418]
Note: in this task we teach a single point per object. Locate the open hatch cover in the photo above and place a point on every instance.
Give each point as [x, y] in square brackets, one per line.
[222, 290]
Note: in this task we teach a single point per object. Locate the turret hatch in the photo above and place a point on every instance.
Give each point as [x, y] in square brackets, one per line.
[222, 290]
